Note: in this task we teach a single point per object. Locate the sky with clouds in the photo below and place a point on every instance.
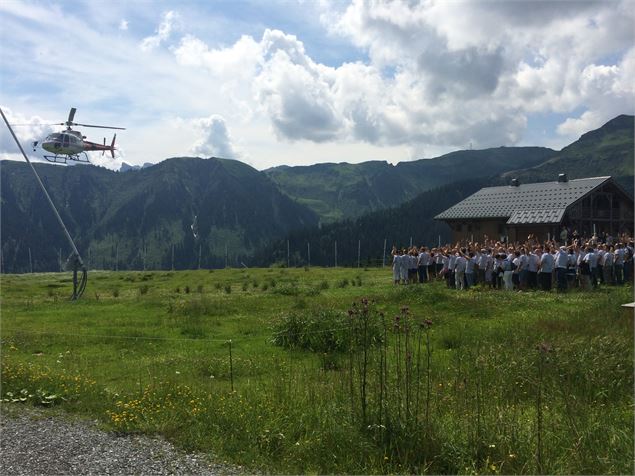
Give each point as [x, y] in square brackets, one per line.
[300, 82]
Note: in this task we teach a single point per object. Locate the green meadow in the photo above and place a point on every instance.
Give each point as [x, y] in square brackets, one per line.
[332, 370]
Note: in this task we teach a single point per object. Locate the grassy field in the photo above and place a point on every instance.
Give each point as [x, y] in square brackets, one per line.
[332, 370]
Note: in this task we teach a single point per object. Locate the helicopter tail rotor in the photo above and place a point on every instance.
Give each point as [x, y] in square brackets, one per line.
[104, 150]
[112, 145]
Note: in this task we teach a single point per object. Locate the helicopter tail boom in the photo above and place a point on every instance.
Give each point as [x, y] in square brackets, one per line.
[92, 146]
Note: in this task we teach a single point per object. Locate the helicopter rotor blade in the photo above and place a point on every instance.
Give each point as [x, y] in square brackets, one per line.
[39, 124]
[71, 115]
[99, 127]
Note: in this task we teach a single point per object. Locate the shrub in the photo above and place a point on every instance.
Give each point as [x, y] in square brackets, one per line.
[228, 289]
[143, 289]
[328, 330]
[115, 293]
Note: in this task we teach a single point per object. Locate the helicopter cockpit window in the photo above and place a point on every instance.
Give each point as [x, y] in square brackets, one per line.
[54, 137]
[65, 141]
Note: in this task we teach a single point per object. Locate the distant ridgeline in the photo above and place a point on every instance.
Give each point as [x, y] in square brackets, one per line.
[146, 218]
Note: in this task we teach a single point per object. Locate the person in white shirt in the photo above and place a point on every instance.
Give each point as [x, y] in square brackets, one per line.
[628, 261]
[599, 270]
[451, 263]
[470, 269]
[396, 271]
[482, 259]
[618, 264]
[413, 257]
[607, 265]
[562, 264]
[524, 272]
[489, 269]
[404, 263]
[572, 267]
[546, 268]
[506, 265]
[591, 258]
[516, 269]
[533, 262]
[460, 264]
[422, 264]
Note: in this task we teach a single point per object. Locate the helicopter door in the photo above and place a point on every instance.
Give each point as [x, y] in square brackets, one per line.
[65, 141]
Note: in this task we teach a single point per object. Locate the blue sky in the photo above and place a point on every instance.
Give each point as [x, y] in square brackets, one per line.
[300, 82]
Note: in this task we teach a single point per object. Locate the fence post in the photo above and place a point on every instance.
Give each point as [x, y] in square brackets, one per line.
[288, 261]
[308, 253]
[383, 256]
[359, 251]
[199, 256]
[30, 261]
[336, 253]
[231, 365]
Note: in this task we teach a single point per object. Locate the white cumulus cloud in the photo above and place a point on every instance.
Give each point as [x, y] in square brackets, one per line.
[162, 33]
[214, 138]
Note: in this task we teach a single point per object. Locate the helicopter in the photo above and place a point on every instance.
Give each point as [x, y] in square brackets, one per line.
[71, 145]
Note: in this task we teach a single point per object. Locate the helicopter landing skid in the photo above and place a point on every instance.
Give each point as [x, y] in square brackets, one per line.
[63, 158]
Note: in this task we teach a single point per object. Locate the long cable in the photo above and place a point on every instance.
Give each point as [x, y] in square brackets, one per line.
[77, 292]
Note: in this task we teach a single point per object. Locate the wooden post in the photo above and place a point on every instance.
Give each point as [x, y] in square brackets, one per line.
[336, 253]
[383, 260]
[226, 255]
[199, 256]
[30, 261]
[172, 256]
[59, 259]
[308, 253]
[359, 251]
[117, 257]
[288, 260]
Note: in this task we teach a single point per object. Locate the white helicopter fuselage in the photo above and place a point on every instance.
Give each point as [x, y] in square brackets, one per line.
[64, 143]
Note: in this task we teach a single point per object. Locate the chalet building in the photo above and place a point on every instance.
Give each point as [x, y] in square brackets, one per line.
[542, 209]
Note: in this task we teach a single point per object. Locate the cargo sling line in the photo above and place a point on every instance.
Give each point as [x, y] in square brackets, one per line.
[74, 260]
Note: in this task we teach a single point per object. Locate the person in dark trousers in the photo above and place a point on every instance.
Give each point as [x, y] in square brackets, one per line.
[546, 268]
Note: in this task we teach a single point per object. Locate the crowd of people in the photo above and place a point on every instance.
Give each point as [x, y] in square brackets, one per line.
[578, 262]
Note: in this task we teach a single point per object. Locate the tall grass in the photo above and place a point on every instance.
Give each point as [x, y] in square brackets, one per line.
[357, 379]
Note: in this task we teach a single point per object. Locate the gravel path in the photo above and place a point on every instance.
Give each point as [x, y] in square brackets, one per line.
[36, 441]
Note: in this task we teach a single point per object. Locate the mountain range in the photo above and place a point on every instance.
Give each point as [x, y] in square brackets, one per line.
[185, 211]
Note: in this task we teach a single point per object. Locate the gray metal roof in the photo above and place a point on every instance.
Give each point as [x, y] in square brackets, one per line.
[536, 215]
[543, 202]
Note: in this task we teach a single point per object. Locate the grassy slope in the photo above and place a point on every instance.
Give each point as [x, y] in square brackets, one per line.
[140, 353]
[605, 151]
[343, 190]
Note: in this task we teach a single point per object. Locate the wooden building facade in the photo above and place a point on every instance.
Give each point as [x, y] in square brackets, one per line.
[513, 212]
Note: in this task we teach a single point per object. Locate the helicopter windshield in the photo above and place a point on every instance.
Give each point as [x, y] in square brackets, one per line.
[55, 137]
